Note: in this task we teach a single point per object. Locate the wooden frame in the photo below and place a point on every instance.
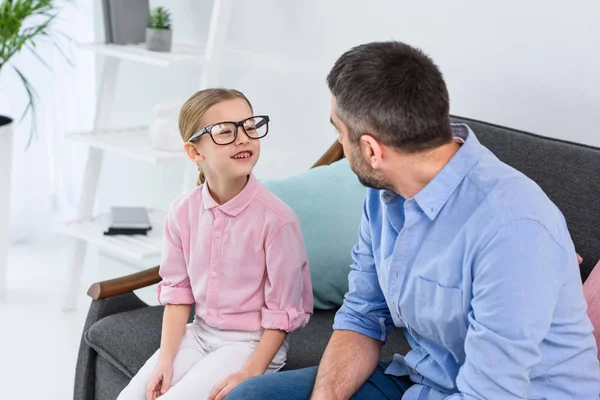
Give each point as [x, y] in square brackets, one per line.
[138, 280]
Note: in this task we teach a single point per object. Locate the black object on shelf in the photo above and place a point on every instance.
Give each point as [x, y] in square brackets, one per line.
[125, 231]
[128, 221]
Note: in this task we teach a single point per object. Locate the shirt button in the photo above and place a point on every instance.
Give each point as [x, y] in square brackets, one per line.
[213, 274]
[217, 234]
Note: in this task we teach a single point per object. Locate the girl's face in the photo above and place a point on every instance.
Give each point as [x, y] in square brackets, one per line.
[230, 161]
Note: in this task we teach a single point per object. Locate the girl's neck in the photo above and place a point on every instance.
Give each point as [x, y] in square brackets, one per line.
[223, 190]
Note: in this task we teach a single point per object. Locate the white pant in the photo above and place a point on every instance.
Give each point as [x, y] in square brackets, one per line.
[206, 356]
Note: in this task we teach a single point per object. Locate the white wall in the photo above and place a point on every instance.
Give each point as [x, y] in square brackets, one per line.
[532, 65]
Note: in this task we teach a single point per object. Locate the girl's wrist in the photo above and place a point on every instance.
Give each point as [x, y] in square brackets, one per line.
[165, 358]
[253, 371]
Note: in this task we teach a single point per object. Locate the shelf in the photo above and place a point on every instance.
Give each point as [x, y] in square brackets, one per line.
[137, 247]
[180, 54]
[130, 142]
[183, 54]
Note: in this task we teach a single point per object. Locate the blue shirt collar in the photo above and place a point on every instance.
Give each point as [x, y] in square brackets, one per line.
[434, 196]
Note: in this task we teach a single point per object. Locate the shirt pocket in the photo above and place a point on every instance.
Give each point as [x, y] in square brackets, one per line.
[439, 312]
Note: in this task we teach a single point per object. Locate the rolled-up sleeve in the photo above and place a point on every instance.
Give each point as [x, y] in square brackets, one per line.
[516, 284]
[364, 310]
[288, 289]
[175, 286]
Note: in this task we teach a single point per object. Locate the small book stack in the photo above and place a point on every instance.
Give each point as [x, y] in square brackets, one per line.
[128, 221]
[125, 21]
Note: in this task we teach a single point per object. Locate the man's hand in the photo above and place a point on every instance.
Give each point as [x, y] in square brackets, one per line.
[160, 380]
[224, 387]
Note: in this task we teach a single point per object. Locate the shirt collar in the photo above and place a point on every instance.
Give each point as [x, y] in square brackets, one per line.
[434, 196]
[236, 205]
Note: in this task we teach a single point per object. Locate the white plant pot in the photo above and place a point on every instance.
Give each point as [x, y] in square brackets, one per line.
[5, 173]
[159, 39]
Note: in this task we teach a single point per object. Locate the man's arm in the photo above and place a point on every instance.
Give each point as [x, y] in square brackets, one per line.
[362, 324]
[516, 281]
[349, 359]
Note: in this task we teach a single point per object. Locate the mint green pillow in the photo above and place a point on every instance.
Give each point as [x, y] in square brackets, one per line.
[328, 201]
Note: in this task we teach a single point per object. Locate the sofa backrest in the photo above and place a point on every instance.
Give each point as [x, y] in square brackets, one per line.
[568, 172]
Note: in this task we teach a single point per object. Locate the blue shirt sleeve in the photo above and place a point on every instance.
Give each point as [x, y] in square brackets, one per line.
[516, 282]
[364, 310]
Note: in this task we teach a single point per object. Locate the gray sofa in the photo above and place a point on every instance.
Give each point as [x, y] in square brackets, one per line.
[121, 331]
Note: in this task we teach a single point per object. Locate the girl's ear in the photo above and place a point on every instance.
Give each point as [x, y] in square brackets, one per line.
[193, 152]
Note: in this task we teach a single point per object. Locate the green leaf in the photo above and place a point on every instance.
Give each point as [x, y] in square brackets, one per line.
[159, 18]
[67, 57]
[23, 24]
[31, 47]
[31, 96]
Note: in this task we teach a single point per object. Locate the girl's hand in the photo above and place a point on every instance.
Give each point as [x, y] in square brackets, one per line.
[224, 387]
[160, 380]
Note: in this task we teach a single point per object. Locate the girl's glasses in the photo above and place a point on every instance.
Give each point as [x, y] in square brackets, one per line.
[226, 132]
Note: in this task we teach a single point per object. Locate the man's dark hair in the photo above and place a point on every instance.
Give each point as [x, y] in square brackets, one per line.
[393, 92]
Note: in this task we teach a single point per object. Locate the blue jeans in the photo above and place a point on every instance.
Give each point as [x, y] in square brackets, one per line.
[298, 385]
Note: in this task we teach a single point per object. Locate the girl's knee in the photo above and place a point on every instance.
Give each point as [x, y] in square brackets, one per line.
[132, 393]
[135, 389]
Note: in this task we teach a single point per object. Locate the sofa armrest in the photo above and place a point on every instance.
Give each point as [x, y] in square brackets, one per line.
[333, 154]
[85, 373]
[124, 284]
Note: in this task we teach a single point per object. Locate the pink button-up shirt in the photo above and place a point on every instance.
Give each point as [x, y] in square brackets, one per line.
[243, 263]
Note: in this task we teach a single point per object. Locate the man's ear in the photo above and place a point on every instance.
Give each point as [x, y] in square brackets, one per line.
[371, 150]
[193, 152]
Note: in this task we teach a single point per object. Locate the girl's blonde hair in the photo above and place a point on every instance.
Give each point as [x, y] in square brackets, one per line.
[196, 106]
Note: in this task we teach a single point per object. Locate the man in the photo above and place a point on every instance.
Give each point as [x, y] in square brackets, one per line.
[463, 252]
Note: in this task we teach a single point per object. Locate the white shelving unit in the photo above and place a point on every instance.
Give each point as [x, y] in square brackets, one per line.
[133, 143]
[186, 54]
[129, 142]
[181, 54]
[137, 247]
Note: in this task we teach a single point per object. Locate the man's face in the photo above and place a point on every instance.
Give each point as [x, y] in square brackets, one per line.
[367, 176]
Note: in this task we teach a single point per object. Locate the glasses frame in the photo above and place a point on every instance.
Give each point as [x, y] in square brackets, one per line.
[206, 130]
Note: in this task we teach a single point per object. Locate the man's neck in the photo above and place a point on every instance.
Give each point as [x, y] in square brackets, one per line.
[411, 173]
[222, 190]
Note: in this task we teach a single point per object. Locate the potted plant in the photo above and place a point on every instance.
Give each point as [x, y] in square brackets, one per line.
[158, 33]
[22, 24]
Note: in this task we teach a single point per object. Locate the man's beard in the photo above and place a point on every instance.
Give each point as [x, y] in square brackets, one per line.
[370, 182]
[366, 175]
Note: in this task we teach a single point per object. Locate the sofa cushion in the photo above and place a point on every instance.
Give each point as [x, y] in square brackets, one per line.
[328, 201]
[566, 171]
[307, 345]
[128, 339]
[110, 381]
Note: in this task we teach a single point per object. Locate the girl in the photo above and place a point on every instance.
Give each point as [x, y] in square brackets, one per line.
[234, 251]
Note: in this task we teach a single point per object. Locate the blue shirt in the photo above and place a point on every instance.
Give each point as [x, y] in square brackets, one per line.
[479, 271]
